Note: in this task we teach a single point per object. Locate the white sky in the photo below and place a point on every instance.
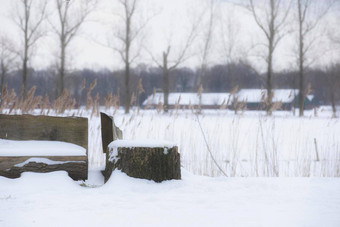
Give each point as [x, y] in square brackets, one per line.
[171, 21]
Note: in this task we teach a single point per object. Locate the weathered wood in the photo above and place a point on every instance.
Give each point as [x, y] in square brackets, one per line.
[27, 127]
[156, 164]
[77, 170]
[106, 130]
[109, 130]
[7, 162]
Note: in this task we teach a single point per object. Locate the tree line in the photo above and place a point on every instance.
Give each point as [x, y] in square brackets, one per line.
[275, 20]
[145, 80]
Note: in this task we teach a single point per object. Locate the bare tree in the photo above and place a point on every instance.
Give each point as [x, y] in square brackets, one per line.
[307, 22]
[7, 58]
[171, 62]
[272, 22]
[129, 48]
[175, 54]
[127, 39]
[233, 49]
[29, 18]
[206, 44]
[71, 16]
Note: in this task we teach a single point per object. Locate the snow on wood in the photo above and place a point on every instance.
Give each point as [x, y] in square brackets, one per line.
[11, 148]
[142, 143]
[45, 161]
[113, 146]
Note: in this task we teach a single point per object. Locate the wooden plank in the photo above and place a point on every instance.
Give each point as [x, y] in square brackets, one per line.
[28, 127]
[8, 162]
[75, 166]
[77, 171]
[110, 132]
[107, 130]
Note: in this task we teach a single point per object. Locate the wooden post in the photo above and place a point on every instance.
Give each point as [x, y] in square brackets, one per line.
[110, 131]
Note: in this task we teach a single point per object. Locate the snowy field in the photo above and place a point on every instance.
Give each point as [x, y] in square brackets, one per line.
[249, 144]
[53, 199]
[257, 152]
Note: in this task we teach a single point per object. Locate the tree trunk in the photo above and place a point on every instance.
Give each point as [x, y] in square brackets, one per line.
[156, 164]
[301, 62]
[60, 87]
[26, 46]
[127, 88]
[24, 77]
[1, 86]
[332, 91]
[269, 83]
[3, 75]
[333, 104]
[271, 39]
[301, 90]
[165, 83]
[127, 42]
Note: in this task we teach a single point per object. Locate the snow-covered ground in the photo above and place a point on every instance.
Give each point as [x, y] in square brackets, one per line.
[53, 199]
[246, 145]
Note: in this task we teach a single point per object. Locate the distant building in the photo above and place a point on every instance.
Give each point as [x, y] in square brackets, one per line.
[180, 100]
[252, 99]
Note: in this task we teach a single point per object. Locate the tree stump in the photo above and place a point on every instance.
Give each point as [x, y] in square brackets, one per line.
[152, 160]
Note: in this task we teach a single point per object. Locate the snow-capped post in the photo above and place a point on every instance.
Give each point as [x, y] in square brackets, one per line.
[146, 159]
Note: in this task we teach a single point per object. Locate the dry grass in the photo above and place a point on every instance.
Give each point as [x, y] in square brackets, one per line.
[243, 145]
[234, 145]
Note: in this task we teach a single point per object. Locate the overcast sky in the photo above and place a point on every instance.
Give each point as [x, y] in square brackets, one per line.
[170, 23]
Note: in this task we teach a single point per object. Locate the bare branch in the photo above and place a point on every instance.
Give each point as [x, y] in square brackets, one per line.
[182, 57]
[35, 27]
[257, 20]
[153, 58]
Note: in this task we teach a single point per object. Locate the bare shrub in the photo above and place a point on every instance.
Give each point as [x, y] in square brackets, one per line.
[31, 102]
[89, 100]
[63, 103]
